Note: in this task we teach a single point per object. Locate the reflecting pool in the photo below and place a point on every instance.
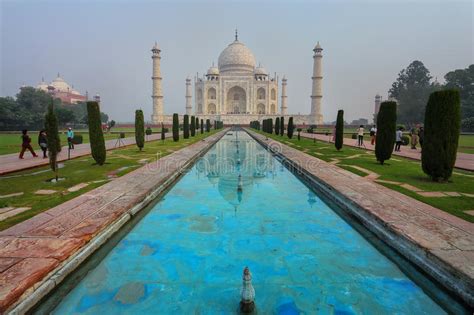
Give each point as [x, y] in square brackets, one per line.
[187, 254]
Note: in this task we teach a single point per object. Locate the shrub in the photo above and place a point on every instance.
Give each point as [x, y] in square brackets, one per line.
[291, 128]
[77, 139]
[52, 134]
[282, 126]
[405, 140]
[148, 131]
[175, 127]
[139, 129]
[277, 126]
[354, 136]
[202, 126]
[186, 127]
[193, 126]
[310, 130]
[165, 129]
[208, 125]
[96, 136]
[122, 135]
[386, 128]
[299, 131]
[197, 124]
[442, 127]
[339, 139]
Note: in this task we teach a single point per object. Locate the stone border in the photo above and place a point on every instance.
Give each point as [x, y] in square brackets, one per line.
[38, 291]
[455, 275]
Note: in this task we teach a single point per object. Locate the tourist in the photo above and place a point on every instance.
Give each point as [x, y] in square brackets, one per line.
[398, 139]
[70, 138]
[360, 136]
[43, 142]
[373, 133]
[26, 144]
[333, 134]
[421, 136]
[414, 138]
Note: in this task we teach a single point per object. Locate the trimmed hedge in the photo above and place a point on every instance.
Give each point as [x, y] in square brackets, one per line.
[282, 126]
[163, 132]
[186, 127]
[208, 125]
[193, 126]
[202, 126]
[175, 127]
[96, 136]
[386, 128]
[139, 129]
[291, 128]
[77, 139]
[148, 131]
[339, 138]
[277, 125]
[52, 134]
[442, 128]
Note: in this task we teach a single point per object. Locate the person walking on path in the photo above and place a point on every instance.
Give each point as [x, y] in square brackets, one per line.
[360, 136]
[26, 144]
[398, 139]
[414, 138]
[43, 142]
[70, 137]
[421, 136]
[373, 133]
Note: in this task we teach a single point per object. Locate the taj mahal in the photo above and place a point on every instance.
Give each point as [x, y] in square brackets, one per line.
[237, 91]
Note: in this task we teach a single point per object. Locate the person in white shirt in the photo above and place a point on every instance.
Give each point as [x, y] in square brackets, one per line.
[360, 136]
[398, 139]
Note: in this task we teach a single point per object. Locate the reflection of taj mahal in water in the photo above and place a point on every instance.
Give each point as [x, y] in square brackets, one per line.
[237, 91]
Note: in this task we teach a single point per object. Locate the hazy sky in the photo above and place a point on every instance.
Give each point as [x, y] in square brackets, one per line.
[104, 46]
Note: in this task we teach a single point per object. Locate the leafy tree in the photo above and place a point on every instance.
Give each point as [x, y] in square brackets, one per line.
[208, 125]
[139, 129]
[175, 127]
[96, 136]
[202, 126]
[112, 124]
[193, 126]
[282, 126]
[386, 128]
[339, 130]
[467, 124]
[411, 90]
[291, 128]
[54, 143]
[186, 127]
[463, 80]
[442, 127]
[277, 125]
[64, 115]
[104, 117]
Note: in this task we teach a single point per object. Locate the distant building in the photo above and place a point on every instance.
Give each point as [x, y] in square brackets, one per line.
[62, 90]
[360, 121]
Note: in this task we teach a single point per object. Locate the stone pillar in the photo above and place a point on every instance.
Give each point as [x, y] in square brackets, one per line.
[317, 90]
[157, 116]
[284, 107]
[189, 106]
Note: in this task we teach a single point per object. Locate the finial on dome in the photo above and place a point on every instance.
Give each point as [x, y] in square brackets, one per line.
[58, 75]
[236, 35]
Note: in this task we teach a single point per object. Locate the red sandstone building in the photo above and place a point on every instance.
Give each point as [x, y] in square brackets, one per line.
[62, 90]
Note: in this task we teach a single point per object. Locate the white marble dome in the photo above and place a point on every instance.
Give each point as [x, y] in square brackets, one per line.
[236, 57]
[60, 85]
[213, 71]
[42, 86]
[260, 71]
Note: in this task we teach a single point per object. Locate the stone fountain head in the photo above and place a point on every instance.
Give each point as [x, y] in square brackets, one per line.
[247, 302]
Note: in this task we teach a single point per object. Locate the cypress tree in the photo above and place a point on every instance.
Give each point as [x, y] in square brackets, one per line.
[139, 129]
[291, 128]
[163, 136]
[197, 124]
[208, 125]
[96, 136]
[186, 127]
[54, 142]
[441, 134]
[282, 126]
[386, 128]
[277, 126]
[193, 126]
[202, 126]
[339, 130]
[175, 127]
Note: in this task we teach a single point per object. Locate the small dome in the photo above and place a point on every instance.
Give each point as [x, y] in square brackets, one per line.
[43, 86]
[75, 92]
[260, 70]
[236, 57]
[318, 47]
[60, 85]
[213, 71]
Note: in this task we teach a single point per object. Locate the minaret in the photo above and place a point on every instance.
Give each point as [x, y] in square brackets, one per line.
[317, 91]
[283, 96]
[378, 100]
[189, 106]
[157, 116]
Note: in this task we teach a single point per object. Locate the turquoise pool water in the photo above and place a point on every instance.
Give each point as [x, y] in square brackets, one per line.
[187, 254]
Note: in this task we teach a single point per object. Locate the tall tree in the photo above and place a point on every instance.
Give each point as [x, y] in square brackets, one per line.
[442, 127]
[175, 127]
[186, 127]
[277, 125]
[290, 127]
[282, 126]
[411, 90]
[463, 80]
[193, 126]
[96, 136]
[339, 130]
[386, 128]
[208, 125]
[54, 143]
[139, 129]
[163, 136]
[202, 126]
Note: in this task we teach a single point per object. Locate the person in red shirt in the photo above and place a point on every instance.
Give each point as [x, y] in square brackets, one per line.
[26, 144]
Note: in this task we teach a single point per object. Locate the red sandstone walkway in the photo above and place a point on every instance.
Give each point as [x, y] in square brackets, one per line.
[11, 163]
[464, 161]
[33, 252]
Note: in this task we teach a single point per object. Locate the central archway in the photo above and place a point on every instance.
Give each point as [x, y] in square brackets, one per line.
[236, 101]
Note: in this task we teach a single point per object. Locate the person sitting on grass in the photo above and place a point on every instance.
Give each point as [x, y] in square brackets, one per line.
[398, 139]
[43, 142]
[26, 144]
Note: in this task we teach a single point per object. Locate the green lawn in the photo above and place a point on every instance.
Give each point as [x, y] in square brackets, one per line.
[397, 169]
[80, 170]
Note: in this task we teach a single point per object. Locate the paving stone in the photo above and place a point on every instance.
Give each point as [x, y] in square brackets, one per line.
[387, 182]
[45, 192]
[40, 248]
[468, 195]
[411, 188]
[434, 194]
[452, 193]
[77, 187]
[6, 209]
[470, 212]
[12, 195]
[13, 212]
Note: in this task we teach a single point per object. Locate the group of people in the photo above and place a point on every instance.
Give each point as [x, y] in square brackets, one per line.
[42, 142]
